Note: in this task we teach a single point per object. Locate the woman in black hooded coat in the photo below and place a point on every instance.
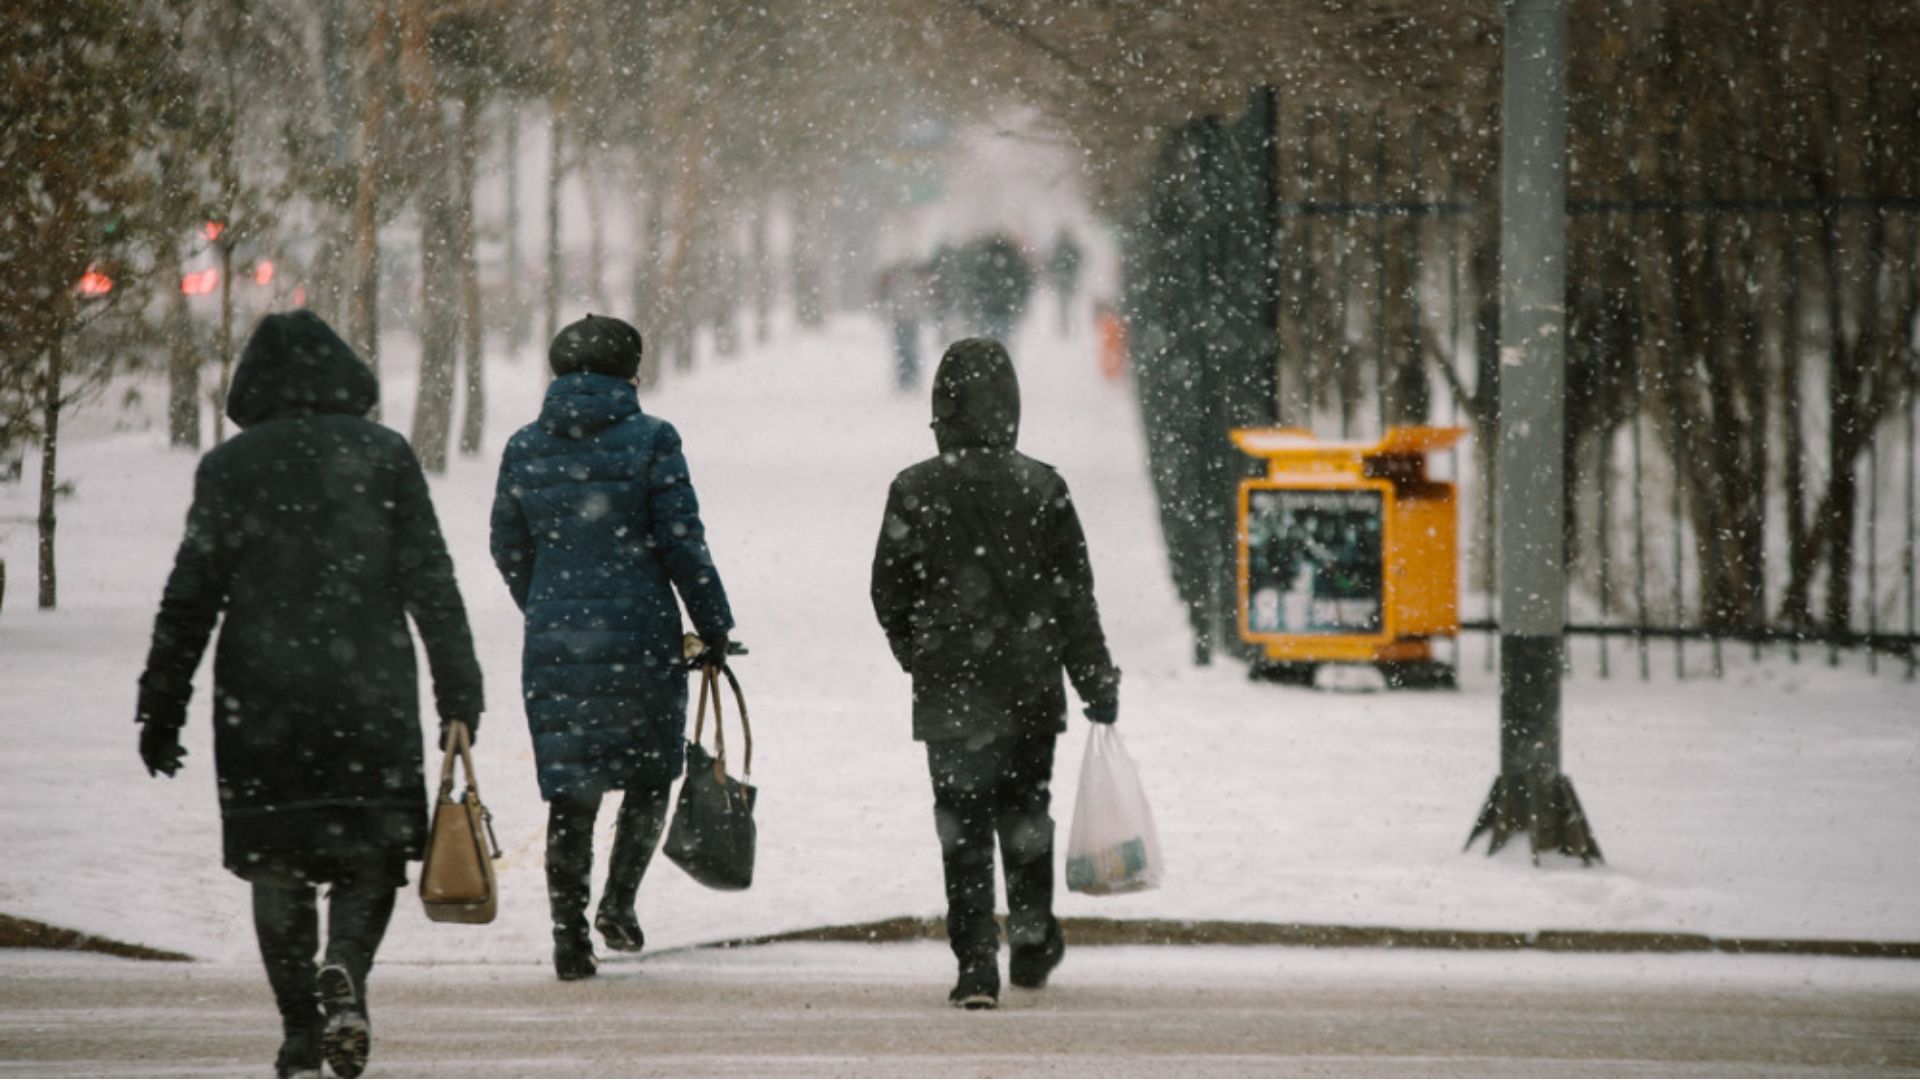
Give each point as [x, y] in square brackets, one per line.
[312, 536]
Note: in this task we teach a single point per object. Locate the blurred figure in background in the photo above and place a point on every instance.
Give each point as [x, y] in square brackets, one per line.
[942, 270]
[996, 283]
[1063, 277]
[901, 293]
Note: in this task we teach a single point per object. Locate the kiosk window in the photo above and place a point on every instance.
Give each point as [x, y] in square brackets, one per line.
[1313, 561]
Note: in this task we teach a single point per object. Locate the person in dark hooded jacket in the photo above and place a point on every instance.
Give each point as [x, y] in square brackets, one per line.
[982, 584]
[311, 539]
[595, 528]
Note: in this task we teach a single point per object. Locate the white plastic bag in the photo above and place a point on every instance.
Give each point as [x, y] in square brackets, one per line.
[1113, 847]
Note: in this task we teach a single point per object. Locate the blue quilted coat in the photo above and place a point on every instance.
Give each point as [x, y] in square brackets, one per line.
[595, 527]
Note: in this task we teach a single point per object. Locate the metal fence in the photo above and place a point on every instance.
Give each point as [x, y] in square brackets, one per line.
[1741, 368]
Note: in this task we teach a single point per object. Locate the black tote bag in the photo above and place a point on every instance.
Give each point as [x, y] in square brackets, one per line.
[712, 835]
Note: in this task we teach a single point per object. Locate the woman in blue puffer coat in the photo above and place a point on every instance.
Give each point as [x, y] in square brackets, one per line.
[595, 528]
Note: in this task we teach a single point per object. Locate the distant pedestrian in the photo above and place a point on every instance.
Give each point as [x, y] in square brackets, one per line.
[595, 529]
[901, 292]
[1063, 277]
[944, 301]
[996, 284]
[311, 539]
[982, 584]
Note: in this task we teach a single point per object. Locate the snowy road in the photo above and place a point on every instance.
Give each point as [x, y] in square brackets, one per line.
[852, 1010]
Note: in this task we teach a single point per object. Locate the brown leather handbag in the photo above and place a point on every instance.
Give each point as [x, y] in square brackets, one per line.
[457, 883]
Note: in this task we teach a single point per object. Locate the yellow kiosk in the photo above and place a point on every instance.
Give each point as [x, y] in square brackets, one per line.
[1348, 554]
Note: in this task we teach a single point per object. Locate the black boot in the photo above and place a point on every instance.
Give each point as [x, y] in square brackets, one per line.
[1030, 965]
[347, 1037]
[570, 884]
[287, 923]
[978, 987]
[620, 930]
[299, 1049]
[573, 957]
[643, 815]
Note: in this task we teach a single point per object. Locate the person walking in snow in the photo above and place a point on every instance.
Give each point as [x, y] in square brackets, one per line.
[996, 282]
[595, 528]
[311, 539]
[1063, 277]
[900, 292]
[982, 584]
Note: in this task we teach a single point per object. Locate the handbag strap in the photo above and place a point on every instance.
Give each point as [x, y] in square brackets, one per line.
[448, 753]
[462, 748]
[710, 687]
[746, 729]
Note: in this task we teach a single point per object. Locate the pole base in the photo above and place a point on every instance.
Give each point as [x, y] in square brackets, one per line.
[1553, 821]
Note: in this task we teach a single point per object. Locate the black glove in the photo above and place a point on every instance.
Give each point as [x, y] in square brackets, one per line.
[446, 730]
[1105, 712]
[713, 649]
[161, 716]
[160, 748]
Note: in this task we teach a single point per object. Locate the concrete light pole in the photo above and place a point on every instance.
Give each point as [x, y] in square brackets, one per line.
[1531, 794]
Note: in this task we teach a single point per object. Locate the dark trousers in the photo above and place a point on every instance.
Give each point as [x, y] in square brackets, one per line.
[286, 919]
[906, 353]
[983, 790]
[643, 814]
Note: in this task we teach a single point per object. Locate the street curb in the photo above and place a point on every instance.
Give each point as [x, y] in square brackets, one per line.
[1089, 931]
[18, 933]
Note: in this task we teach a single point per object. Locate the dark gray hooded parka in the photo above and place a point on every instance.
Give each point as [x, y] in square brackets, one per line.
[311, 539]
[980, 578]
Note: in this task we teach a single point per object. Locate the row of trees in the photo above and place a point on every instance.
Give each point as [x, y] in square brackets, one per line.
[316, 132]
[1743, 278]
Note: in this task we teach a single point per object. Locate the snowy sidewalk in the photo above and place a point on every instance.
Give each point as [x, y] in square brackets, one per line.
[879, 1010]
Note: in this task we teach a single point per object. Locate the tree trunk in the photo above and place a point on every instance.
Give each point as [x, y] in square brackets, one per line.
[364, 325]
[596, 237]
[723, 292]
[1843, 407]
[556, 163]
[652, 257]
[1483, 272]
[761, 274]
[680, 294]
[439, 247]
[49, 472]
[473, 423]
[555, 177]
[516, 314]
[183, 374]
[1753, 370]
[439, 339]
[804, 258]
[640, 274]
[226, 338]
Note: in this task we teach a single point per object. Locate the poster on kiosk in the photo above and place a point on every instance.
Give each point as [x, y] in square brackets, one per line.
[1347, 554]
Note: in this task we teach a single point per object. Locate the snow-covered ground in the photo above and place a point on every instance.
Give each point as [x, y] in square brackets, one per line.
[1781, 800]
